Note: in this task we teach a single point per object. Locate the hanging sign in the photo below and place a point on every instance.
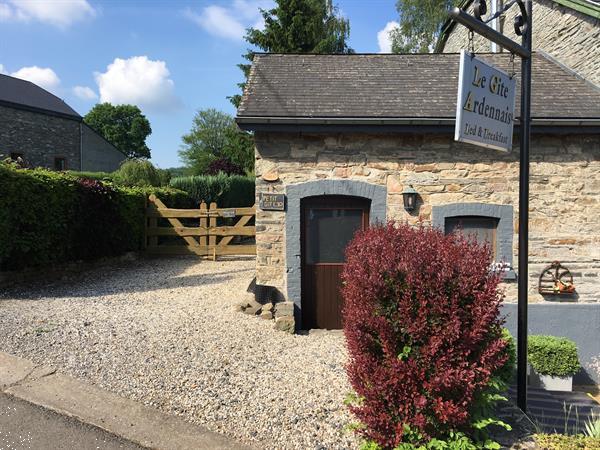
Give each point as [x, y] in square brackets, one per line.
[485, 109]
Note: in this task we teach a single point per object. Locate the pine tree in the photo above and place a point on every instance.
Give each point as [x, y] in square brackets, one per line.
[298, 26]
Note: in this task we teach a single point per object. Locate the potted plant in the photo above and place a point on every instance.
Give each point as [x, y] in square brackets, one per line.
[553, 361]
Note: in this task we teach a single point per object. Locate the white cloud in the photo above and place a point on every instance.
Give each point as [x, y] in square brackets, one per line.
[42, 76]
[58, 13]
[3, 70]
[85, 93]
[138, 81]
[384, 39]
[5, 12]
[230, 22]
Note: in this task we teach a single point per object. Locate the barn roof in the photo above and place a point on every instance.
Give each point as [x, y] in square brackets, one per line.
[384, 89]
[24, 94]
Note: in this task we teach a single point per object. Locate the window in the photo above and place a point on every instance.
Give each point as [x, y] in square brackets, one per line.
[488, 221]
[482, 228]
[14, 156]
[60, 163]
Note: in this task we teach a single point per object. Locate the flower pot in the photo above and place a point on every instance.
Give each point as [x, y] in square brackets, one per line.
[550, 383]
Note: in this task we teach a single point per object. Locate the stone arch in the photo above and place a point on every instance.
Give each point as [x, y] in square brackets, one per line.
[295, 193]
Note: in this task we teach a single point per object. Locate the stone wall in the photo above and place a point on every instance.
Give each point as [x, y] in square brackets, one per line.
[569, 36]
[565, 191]
[39, 137]
[97, 154]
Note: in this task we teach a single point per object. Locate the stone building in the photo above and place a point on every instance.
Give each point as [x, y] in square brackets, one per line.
[342, 136]
[567, 30]
[44, 131]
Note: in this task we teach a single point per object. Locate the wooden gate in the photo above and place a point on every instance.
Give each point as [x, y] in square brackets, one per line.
[199, 231]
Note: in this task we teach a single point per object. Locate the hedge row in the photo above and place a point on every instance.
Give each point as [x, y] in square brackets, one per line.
[226, 191]
[49, 217]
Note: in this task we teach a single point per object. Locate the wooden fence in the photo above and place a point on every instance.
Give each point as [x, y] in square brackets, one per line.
[201, 237]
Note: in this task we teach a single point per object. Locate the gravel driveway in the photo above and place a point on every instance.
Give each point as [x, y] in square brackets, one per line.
[164, 332]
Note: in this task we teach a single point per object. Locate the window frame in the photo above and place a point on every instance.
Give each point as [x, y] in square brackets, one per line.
[504, 230]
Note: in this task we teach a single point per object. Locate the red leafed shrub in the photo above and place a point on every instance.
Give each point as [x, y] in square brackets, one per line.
[224, 165]
[421, 320]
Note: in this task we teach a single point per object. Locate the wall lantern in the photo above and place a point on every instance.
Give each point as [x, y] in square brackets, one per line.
[409, 195]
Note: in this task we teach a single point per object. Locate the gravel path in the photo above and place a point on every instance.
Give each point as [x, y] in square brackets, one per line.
[164, 332]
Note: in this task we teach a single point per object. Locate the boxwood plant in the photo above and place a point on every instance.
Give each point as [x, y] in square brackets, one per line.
[553, 356]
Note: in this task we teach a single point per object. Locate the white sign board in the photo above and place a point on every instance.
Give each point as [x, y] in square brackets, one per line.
[485, 108]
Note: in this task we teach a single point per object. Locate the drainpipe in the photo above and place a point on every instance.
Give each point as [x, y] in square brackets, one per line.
[81, 145]
[497, 24]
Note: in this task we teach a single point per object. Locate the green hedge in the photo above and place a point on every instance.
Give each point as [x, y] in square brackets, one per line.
[226, 191]
[554, 356]
[100, 176]
[49, 217]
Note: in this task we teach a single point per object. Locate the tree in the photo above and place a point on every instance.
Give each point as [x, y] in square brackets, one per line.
[298, 26]
[420, 24]
[215, 135]
[140, 172]
[124, 126]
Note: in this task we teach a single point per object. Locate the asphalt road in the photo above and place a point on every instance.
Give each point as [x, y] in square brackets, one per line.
[25, 426]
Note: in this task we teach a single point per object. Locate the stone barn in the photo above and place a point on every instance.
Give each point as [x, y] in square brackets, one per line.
[341, 140]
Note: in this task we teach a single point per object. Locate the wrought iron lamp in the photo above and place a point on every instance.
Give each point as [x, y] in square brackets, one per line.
[409, 196]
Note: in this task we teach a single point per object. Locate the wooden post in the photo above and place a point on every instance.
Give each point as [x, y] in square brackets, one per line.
[152, 223]
[212, 239]
[203, 223]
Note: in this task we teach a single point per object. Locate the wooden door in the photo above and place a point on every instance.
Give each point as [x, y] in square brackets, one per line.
[328, 224]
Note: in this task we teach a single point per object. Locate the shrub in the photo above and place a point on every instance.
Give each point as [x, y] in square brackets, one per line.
[421, 320]
[100, 176]
[50, 217]
[226, 191]
[554, 356]
[224, 165]
[137, 172]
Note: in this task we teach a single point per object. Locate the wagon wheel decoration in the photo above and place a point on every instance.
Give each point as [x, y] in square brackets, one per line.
[556, 279]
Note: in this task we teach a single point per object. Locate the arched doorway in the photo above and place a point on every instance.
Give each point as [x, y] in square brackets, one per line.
[328, 223]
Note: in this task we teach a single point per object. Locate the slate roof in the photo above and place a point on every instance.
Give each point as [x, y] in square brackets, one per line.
[24, 94]
[389, 86]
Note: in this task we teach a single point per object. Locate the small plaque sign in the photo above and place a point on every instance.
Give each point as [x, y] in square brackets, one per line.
[271, 202]
[229, 213]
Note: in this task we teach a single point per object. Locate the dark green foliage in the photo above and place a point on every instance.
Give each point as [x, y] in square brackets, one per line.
[124, 126]
[298, 26]
[507, 372]
[49, 217]
[554, 356]
[215, 135]
[137, 172]
[177, 172]
[226, 191]
[100, 176]
[420, 24]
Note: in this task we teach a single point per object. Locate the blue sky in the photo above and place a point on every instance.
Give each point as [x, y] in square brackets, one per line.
[171, 58]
